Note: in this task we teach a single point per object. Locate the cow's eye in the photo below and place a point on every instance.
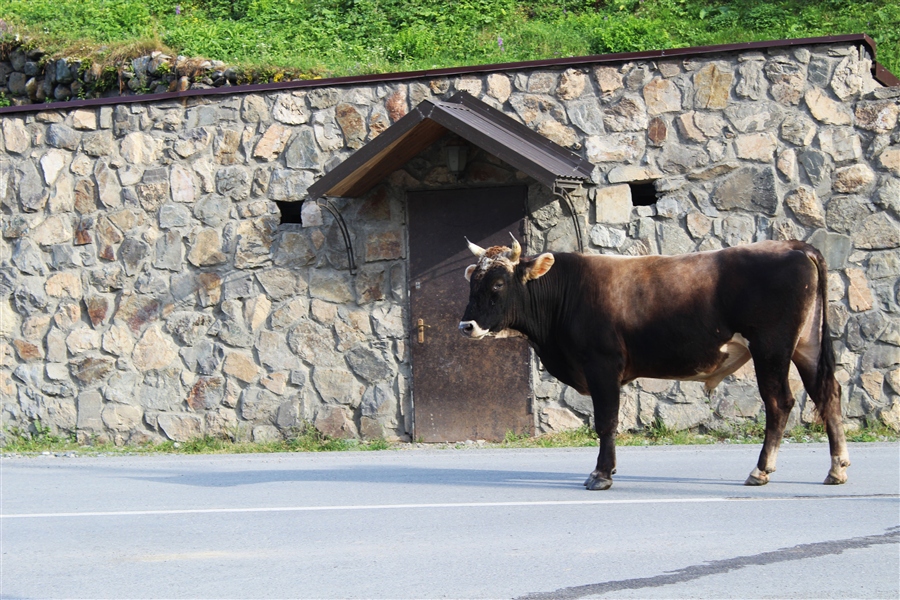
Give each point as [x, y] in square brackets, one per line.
[498, 286]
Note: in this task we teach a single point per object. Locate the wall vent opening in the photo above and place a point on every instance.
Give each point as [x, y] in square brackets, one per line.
[289, 211]
[643, 193]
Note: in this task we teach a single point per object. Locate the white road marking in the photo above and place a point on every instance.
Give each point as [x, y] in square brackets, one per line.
[276, 509]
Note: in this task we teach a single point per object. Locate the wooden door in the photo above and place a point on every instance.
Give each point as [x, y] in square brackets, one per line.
[463, 389]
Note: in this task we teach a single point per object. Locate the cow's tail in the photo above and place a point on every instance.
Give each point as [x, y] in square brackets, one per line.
[825, 383]
[827, 392]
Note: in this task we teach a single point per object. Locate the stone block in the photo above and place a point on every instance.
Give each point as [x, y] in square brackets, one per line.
[557, 133]
[337, 386]
[880, 117]
[62, 136]
[826, 110]
[180, 427]
[351, 124]
[82, 340]
[662, 96]
[853, 179]
[336, 422]
[748, 188]
[673, 240]
[559, 418]
[842, 144]
[684, 159]
[89, 405]
[138, 148]
[303, 152]
[153, 351]
[788, 80]
[472, 85]
[613, 204]
[756, 146]
[858, 294]
[259, 406]
[64, 285]
[290, 109]
[615, 147]
[274, 353]
[289, 313]
[499, 87]
[890, 159]
[206, 248]
[806, 206]
[254, 241]
[798, 130]
[681, 417]
[712, 87]
[752, 83]
[15, 135]
[233, 182]
[241, 366]
[834, 247]
[628, 114]
[738, 229]
[607, 237]
[369, 364]
[122, 417]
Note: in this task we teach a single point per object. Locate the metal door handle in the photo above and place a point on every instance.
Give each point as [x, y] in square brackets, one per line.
[420, 327]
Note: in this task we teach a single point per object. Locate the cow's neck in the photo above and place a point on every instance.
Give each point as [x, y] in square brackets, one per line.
[541, 306]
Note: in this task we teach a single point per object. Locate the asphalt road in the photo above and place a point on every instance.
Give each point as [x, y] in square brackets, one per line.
[477, 523]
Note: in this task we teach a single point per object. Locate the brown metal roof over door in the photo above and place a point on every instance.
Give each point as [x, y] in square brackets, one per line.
[470, 119]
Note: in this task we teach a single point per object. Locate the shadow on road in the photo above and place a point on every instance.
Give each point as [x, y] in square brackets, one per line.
[395, 475]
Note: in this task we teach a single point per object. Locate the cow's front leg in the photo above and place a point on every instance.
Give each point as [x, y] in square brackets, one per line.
[605, 396]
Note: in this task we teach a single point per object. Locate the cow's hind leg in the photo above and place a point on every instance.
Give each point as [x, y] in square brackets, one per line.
[825, 392]
[772, 376]
[605, 396]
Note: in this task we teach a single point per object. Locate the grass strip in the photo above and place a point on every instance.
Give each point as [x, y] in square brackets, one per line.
[309, 439]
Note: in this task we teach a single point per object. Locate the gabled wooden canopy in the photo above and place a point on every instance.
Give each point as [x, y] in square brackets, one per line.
[470, 119]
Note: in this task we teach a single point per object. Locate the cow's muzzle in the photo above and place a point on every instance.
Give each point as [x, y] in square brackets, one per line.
[471, 329]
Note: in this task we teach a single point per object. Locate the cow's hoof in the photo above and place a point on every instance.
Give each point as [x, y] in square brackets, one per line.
[834, 479]
[757, 477]
[838, 473]
[598, 483]
[596, 475]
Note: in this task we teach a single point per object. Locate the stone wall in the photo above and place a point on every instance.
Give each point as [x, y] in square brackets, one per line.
[151, 290]
[30, 76]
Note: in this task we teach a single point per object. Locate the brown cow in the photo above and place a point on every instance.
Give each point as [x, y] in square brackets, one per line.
[598, 322]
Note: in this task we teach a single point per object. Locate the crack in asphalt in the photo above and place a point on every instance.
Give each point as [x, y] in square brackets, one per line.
[716, 567]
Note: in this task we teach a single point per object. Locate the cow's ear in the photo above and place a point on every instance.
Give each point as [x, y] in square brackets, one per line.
[469, 270]
[538, 267]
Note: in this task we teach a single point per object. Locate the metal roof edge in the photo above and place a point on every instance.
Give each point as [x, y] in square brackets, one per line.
[879, 72]
[371, 149]
[580, 164]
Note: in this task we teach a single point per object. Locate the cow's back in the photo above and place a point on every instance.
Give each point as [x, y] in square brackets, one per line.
[669, 316]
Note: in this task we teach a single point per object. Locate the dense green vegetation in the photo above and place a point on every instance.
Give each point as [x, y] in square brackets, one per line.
[339, 37]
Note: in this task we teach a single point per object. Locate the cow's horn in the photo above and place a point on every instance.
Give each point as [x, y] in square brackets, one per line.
[516, 250]
[475, 248]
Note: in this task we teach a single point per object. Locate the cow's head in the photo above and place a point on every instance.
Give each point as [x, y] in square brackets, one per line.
[496, 282]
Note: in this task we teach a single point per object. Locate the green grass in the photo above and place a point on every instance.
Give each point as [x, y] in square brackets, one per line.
[346, 37]
[307, 439]
[302, 439]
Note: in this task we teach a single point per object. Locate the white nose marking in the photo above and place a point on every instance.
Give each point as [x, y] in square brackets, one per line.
[472, 329]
